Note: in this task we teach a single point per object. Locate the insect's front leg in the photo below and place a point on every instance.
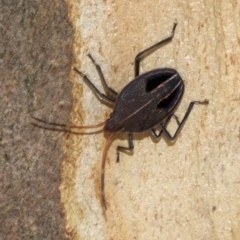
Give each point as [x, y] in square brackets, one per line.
[102, 97]
[130, 146]
[109, 91]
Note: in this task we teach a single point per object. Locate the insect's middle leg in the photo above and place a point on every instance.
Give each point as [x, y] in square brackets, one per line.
[130, 146]
[151, 49]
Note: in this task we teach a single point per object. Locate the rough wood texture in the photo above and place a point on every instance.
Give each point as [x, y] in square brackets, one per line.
[36, 56]
[185, 190]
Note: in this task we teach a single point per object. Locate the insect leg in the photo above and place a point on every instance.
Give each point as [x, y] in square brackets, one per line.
[176, 118]
[130, 146]
[191, 104]
[109, 91]
[153, 131]
[102, 97]
[150, 50]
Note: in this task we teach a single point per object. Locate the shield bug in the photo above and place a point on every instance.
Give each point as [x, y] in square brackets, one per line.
[147, 102]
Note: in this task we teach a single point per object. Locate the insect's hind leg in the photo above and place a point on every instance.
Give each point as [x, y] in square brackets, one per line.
[109, 91]
[190, 107]
[121, 148]
[151, 49]
[158, 135]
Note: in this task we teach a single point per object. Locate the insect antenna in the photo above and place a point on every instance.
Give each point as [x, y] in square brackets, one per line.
[62, 127]
[103, 169]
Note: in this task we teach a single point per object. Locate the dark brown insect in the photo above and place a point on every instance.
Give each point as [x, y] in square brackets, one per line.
[147, 102]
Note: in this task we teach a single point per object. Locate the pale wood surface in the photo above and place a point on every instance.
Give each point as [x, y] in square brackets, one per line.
[185, 190]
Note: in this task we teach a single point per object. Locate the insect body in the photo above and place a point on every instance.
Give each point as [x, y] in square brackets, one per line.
[147, 102]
